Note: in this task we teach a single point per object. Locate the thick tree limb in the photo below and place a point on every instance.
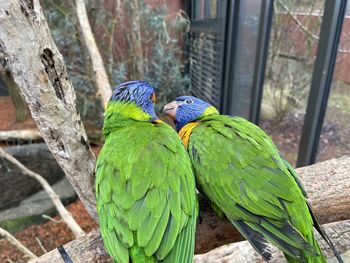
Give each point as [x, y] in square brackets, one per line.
[64, 213]
[327, 183]
[10, 238]
[100, 77]
[28, 51]
[89, 249]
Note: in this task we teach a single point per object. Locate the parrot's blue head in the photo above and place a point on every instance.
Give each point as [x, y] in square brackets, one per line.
[187, 109]
[139, 92]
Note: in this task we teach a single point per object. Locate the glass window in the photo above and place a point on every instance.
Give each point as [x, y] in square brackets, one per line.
[335, 136]
[293, 44]
[247, 37]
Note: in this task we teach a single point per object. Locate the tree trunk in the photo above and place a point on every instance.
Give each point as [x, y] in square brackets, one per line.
[136, 39]
[328, 184]
[28, 51]
[100, 76]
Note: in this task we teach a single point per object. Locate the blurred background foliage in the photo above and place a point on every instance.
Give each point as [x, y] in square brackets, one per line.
[136, 41]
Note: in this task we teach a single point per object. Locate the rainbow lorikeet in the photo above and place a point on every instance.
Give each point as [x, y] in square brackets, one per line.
[145, 188]
[241, 172]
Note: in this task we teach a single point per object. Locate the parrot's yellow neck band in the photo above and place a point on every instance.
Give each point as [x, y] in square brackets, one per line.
[186, 131]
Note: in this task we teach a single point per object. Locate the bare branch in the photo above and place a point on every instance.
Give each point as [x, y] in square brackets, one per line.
[65, 215]
[10, 238]
[101, 78]
[26, 135]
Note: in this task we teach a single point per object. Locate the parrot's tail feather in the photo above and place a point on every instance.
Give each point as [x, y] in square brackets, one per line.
[322, 232]
[258, 242]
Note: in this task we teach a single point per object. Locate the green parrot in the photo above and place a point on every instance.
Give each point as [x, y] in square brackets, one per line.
[240, 170]
[145, 187]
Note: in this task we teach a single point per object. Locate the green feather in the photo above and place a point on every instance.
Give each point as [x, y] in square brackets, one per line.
[241, 172]
[145, 189]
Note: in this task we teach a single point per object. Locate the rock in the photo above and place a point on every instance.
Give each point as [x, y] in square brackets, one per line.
[31, 209]
[15, 186]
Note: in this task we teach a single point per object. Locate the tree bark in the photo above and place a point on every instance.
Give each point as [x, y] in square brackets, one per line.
[328, 184]
[28, 51]
[100, 76]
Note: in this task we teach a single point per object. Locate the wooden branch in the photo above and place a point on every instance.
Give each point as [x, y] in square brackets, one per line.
[25, 135]
[101, 78]
[10, 238]
[89, 249]
[64, 213]
[328, 184]
[28, 51]
[94, 135]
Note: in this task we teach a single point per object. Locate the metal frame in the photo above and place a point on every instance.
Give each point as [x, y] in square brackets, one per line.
[229, 61]
[333, 17]
[261, 60]
[230, 90]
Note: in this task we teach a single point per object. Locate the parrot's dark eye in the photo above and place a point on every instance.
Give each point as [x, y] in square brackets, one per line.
[188, 101]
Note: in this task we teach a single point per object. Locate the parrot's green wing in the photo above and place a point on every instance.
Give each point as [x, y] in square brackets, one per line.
[145, 194]
[240, 170]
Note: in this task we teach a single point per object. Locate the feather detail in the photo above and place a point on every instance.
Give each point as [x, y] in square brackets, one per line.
[186, 131]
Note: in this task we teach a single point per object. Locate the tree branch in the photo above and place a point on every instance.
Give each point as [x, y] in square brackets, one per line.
[10, 238]
[65, 215]
[101, 78]
[39, 71]
[25, 135]
[89, 249]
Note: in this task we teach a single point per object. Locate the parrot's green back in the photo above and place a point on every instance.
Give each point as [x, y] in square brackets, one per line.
[145, 190]
[240, 170]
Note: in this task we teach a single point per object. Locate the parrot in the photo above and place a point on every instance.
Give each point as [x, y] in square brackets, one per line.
[145, 188]
[241, 172]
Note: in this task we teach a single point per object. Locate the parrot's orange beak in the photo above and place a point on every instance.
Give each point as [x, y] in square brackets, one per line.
[170, 109]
